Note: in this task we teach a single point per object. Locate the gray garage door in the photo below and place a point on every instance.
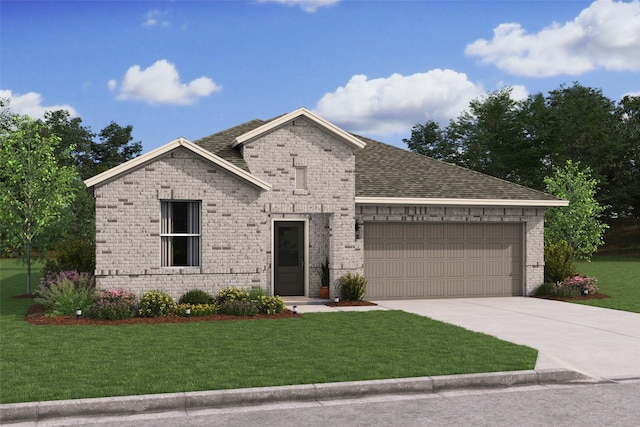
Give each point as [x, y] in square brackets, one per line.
[427, 260]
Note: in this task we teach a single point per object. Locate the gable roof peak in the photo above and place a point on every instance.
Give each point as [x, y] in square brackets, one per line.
[286, 118]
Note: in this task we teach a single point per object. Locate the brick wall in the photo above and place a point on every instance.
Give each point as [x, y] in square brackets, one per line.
[532, 218]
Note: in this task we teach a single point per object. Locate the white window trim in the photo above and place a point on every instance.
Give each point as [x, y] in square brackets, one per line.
[198, 235]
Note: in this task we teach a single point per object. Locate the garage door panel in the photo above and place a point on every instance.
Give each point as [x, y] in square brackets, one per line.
[423, 260]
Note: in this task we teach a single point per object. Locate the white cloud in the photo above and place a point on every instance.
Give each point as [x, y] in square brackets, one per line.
[30, 104]
[155, 17]
[306, 5]
[160, 84]
[604, 35]
[385, 106]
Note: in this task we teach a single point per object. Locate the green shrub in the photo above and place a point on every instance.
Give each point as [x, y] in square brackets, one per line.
[546, 289]
[114, 304]
[239, 308]
[78, 255]
[198, 309]
[256, 292]
[195, 296]
[64, 296]
[156, 304]
[559, 261]
[352, 286]
[269, 305]
[231, 294]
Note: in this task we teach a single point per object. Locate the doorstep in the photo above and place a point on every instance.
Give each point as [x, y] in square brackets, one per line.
[289, 301]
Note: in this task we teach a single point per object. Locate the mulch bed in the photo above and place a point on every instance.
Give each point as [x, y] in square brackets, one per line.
[350, 303]
[580, 298]
[35, 315]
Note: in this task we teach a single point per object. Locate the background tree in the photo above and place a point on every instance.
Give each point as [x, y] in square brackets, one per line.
[34, 187]
[579, 223]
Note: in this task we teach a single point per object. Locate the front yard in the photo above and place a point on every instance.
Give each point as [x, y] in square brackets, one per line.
[619, 278]
[67, 362]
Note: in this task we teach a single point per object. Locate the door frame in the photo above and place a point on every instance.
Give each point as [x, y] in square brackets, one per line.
[305, 245]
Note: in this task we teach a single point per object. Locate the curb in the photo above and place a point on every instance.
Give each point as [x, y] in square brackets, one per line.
[131, 405]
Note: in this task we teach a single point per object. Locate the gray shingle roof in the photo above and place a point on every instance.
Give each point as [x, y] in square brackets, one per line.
[383, 170]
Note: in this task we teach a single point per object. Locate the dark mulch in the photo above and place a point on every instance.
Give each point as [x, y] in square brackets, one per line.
[25, 296]
[349, 303]
[35, 315]
[580, 298]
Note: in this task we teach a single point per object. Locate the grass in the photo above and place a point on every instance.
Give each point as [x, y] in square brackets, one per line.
[67, 362]
[617, 277]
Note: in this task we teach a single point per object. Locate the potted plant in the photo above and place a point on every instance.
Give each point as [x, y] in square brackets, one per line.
[324, 280]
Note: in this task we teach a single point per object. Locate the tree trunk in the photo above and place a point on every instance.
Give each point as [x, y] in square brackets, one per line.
[28, 267]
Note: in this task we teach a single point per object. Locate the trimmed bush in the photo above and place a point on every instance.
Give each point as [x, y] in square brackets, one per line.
[559, 261]
[352, 286]
[231, 294]
[156, 304]
[269, 305]
[545, 289]
[195, 296]
[238, 308]
[114, 304]
[62, 295]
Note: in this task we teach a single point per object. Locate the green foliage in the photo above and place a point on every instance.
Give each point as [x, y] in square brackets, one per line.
[578, 223]
[195, 296]
[231, 294]
[256, 292]
[156, 304]
[114, 304]
[324, 274]
[269, 305]
[559, 261]
[238, 308]
[352, 286]
[546, 289]
[78, 255]
[64, 296]
[197, 309]
[34, 187]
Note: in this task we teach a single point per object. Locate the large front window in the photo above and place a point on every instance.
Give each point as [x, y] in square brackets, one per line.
[180, 234]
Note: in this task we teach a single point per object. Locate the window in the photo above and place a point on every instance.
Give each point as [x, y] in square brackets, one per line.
[180, 234]
[301, 178]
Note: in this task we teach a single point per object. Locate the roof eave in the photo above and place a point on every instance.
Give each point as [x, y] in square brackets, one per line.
[180, 142]
[274, 124]
[458, 202]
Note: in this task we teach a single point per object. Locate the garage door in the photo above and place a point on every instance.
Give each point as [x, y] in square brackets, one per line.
[426, 260]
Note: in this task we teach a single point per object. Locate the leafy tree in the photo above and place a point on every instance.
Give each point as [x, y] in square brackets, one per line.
[578, 223]
[34, 187]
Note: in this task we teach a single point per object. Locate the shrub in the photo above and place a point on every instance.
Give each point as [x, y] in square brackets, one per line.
[559, 261]
[195, 296]
[578, 285]
[231, 294]
[156, 304]
[239, 308]
[62, 296]
[198, 309]
[353, 286]
[114, 304]
[546, 289]
[80, 279]
[269, 305]
[256, 292]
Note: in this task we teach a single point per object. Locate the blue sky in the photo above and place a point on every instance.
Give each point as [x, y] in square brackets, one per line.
[193, 68]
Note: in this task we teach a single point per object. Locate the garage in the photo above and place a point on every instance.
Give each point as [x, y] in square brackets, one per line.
[435, 260]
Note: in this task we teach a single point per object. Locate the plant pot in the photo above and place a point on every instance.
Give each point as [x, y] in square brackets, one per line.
[324, 292]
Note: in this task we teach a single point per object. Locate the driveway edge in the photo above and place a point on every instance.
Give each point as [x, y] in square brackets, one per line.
[131, 405]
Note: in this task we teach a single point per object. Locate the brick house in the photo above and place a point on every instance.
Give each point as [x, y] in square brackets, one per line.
[266, 202]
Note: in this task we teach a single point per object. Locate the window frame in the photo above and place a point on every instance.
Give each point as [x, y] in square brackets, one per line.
[194, 251]
[301, 172]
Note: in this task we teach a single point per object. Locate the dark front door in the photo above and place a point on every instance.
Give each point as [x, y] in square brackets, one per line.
[289, 258]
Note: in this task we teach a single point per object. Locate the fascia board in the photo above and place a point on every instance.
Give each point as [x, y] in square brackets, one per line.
[274, 124]
[459, 202]
[158, 152]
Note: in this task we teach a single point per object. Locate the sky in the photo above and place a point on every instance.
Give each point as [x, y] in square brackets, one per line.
[376, 68]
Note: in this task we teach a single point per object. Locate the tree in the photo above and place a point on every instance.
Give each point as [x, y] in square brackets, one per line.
[34, 187]
[579, 223]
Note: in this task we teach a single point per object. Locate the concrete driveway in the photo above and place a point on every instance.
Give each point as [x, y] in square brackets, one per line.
[598, 342]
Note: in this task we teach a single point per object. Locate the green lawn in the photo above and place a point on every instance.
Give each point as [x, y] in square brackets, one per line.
[66, 362]
[617, 277]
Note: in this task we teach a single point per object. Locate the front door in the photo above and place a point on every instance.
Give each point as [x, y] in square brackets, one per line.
[289, 258]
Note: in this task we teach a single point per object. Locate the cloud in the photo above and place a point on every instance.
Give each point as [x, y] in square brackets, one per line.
[30, 104]
[306, 5]
[154, 18]
[395, 104]
[605, 35]
[160, 84]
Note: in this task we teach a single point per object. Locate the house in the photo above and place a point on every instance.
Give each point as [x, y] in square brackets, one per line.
[266, 202]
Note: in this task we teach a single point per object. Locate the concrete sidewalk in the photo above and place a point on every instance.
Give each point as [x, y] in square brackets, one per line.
[597, 342]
